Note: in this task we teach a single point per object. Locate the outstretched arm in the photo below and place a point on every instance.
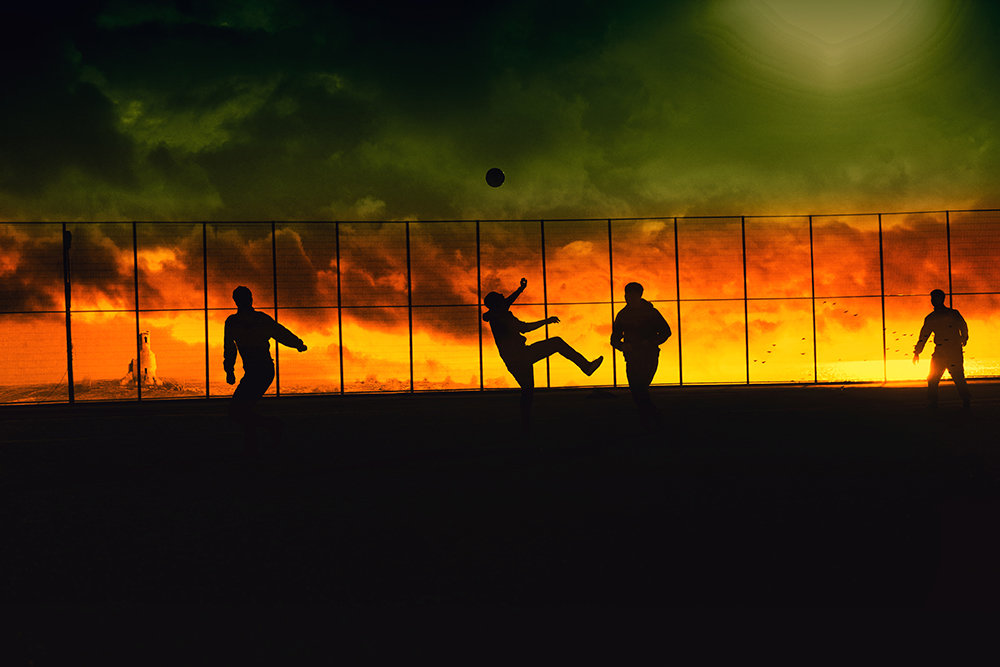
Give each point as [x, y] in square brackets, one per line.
[525, 327]
[516, 293]
[287, 338]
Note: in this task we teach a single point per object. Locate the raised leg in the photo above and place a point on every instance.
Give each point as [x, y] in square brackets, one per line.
[549, 346]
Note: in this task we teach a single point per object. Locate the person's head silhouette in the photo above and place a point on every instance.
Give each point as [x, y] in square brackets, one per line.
[633, 293]
[937, 298]
[243, 297]
[494, 301]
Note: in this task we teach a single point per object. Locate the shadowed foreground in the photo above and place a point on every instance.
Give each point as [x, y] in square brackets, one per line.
[754, 496]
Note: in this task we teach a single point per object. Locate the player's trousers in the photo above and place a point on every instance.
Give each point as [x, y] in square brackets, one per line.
[955, 365]
[256, 380]
[521, 364]
[640, 370]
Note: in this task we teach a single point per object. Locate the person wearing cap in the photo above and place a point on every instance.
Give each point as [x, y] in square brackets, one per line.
[638, 331]
[517, 355]
[951, 334]
[249, 332]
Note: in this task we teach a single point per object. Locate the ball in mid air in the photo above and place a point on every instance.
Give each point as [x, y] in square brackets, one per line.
[494, 177]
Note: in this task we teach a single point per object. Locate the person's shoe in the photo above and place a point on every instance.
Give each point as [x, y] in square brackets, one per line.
[966, 403]
[593, 365]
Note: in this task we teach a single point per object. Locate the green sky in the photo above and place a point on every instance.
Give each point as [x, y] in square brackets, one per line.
[363, 110]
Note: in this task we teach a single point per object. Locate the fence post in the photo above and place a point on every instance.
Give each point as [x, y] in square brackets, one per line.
[677, 280]
[409, 300]
[611, 283]
[947, 231]
[812, 299]
[137, 367]
[479, 304]
[340, 309]
[881, 273]
[204, 268]
[545, 302]
[274, 287]
[67, 240]
[746, 309]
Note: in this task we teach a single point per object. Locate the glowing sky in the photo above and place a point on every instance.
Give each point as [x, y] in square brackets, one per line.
[814, 310]
[225, 110]
[216, 110]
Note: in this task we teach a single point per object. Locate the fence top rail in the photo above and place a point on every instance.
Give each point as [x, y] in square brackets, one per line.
[511, 220]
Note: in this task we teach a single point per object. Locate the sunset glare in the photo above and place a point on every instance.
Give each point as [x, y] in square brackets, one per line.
[745, 160]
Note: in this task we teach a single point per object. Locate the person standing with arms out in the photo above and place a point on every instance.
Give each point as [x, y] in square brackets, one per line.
[517, 355]
[951, 333]
[638, 331]
[249, 332]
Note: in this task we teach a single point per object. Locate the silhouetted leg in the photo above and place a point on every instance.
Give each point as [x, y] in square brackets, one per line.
[934, 379]
[524, 373]
[957, 372]
[640, 375]
[243, 409]
[549, 346]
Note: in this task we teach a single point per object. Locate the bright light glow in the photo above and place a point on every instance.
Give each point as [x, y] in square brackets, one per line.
[837, 22]
[835, 45]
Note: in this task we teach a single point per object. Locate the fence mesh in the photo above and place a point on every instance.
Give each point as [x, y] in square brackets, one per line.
[395, 306]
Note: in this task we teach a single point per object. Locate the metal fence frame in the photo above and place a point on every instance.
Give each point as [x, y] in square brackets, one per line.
[67, 275]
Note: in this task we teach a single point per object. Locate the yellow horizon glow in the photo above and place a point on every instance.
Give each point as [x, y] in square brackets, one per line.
[781, 327]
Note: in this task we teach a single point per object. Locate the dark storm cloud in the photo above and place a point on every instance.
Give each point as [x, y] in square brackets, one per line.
[443, 263]
[283, 110]
[50, 120]
[373, 270]
[176, 280]
[31, 268]
[240, 255]
[306, 265]
[358, 110]
[373, 264]
[309, 92]
[102, 266]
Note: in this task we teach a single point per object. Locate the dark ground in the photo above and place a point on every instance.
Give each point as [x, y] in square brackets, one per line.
[780, 496]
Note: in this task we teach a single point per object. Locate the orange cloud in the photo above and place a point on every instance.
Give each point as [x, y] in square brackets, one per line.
[374, 326]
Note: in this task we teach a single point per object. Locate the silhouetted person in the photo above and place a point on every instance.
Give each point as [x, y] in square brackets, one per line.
[250, 332]
[951, 333]
[517, 355]
[638, 331]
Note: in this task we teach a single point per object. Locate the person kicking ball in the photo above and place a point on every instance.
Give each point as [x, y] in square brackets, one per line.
[517, 355]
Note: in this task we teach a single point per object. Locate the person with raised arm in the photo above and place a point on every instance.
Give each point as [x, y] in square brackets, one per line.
[517, 355]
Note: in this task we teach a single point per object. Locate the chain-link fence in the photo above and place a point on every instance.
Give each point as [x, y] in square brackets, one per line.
[86, 308]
